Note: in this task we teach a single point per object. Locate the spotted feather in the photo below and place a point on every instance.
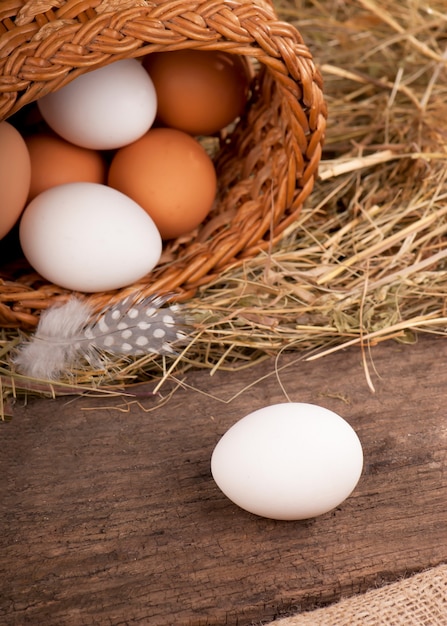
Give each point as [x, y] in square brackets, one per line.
[70, 332]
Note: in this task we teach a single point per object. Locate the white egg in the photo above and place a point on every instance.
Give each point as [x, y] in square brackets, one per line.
[89, 237]
[104, 109]
[288, 461]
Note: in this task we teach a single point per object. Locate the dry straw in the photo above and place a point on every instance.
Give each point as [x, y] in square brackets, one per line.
[365, 261]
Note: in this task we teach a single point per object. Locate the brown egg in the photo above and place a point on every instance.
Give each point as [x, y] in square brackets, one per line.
[15, 176]
[199, 92]
[170, 175]
[54, 161]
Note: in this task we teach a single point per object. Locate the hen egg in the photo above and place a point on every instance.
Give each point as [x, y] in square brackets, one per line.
[15, 176]
[288, 461]
[55, 161]
[88, 237]
[104, 109]
[170, 175]
[198, 91]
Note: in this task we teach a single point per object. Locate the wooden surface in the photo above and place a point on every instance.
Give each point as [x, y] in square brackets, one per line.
[110, 514]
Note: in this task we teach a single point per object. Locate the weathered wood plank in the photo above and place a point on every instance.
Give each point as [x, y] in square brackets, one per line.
[112, 517]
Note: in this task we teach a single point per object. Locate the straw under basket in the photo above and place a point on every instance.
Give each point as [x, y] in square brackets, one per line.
[266, 165]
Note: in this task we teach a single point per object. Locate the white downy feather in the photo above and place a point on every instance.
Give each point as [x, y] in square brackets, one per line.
[47, 354]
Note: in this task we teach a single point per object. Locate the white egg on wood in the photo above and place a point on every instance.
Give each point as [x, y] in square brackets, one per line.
[89, 237]
[288, 461]
[103, 109]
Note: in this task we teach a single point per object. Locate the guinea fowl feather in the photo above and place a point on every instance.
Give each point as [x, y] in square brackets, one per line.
[68, 333]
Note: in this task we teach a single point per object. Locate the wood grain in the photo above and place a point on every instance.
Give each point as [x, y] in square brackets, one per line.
[110, 514]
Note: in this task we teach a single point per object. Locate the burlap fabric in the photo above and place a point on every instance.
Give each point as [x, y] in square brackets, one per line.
[420, 600]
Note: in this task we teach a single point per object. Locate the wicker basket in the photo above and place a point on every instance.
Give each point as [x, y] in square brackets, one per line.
[266, 166]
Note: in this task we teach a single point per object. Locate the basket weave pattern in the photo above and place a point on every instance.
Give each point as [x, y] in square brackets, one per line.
[266, 166]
